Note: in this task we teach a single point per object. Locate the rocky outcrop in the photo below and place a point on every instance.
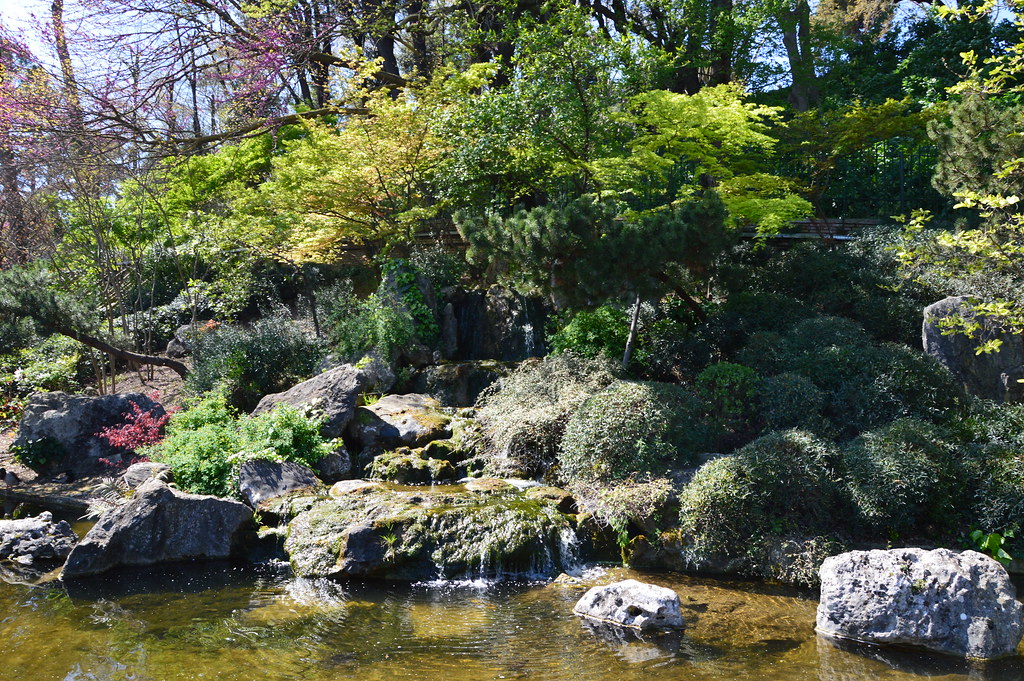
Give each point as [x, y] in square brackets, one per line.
[991, 375]
[493, 324]
[955, 603]
[36, 541]
[138, 473]
[458, 384]
[399, 421]
[633, 604]
[373, 531]
[158, 525]
[260, 481]
[411, 467]
[68, 424]
[333, 392]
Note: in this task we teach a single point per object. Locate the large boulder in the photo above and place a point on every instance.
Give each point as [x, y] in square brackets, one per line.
[260, 480]
[991, 375]
[68, 424]
[399, 421]
[36, 541]
[334, 392]
[633, 604]
[367, 530]
[955, 603]
[159, 525]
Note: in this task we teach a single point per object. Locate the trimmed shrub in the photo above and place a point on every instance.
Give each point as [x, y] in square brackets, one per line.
[903, 478]
[783, 484]
[248, 363]
[524, 414]
[629, 428]
[790, 401]
[728, 392]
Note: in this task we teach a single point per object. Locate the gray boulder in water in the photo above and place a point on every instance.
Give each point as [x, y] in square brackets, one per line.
[38, 540]
[159, 525]
[954, 603]
[633, 604]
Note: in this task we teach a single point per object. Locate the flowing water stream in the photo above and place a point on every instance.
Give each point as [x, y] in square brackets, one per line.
[225, 622]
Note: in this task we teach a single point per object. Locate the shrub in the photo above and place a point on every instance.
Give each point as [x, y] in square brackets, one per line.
[141, 428]
[903, 478]
[641, 502]
[789, 401]
[57, 363]
[782, 484]
[592, 333]
[283, 434]
[355, 327]
[206, 444]
[37, 454]
[524, 414]
[629, 428]
[728, 391]
[249, 363]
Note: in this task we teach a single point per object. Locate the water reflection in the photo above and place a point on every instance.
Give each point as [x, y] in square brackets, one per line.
[841, 660]
[223, 622]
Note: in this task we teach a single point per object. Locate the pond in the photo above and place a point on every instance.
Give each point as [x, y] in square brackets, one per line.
[232, 623]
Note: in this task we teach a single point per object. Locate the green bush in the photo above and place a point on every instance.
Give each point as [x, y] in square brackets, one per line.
[789, 400]
[592, 333]
[783, 484]
[632, 427]
[57, 363]
[206, 443]
[728, 391]
[905, 478]
[248, 363]
[524, 414]
[357, 326]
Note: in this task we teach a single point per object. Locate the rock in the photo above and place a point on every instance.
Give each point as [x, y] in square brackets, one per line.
[562, 500]
[354, 487]
[380, 378]
[159, 525]
[489, 486]
[630, 603]
[411, 467]
[954, 603]
[458, 384]
[138, 473]
[496, 324]
[68, 424]
[990, 375]
[334, 392]
[335, 466]
[185, 338]
[390, 534]
[260, 480]
[399, 421]
[35, 541]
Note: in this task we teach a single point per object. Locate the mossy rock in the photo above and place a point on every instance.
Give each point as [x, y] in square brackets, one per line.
[411, 466]
[490, 486]
[399, 421]
[391, 534]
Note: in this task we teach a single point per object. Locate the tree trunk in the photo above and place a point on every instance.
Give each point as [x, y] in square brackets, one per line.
[119, 353]
[796, 37]
[634, 324]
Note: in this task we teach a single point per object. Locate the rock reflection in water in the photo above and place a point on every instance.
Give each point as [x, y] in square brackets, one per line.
[634, 646]
[841, 660]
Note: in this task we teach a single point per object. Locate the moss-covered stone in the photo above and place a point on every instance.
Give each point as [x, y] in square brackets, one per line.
[393, 534]
[411, 467]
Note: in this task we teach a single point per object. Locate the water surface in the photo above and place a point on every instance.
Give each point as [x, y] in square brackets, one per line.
[235, 623]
